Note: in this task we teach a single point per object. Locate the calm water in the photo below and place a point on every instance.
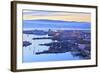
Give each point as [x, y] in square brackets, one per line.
[29, 51]
[30, 56]
[55, 24]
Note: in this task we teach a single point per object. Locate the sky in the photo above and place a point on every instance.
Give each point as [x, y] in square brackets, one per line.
[56, 15]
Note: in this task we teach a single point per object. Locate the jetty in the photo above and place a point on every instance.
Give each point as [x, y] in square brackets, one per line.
[76, 42]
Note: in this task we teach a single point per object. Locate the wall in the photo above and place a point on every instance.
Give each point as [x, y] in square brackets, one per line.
[5, 36]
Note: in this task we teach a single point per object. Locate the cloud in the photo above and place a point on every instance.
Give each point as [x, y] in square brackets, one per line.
[56, 15]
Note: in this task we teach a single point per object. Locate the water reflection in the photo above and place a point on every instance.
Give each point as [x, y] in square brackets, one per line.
[57, 46]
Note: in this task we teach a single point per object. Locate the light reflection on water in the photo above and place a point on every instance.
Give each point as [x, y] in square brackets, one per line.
[29, 51]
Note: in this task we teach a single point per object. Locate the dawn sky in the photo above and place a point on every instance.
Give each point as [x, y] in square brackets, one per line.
[56, 15]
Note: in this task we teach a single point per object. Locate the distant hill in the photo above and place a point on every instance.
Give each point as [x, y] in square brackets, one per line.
[45, 23]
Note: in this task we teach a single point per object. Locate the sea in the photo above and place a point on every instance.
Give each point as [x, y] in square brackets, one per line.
[29, 52]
